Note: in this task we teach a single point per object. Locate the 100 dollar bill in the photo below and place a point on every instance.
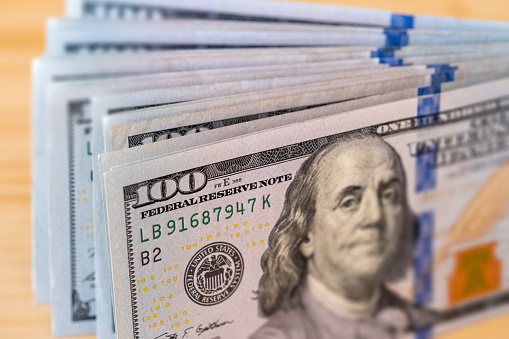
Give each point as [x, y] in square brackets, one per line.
[103, 281]
[160, 123]
[256, 10]
[71, 202]
[360, 223]
[67, 36]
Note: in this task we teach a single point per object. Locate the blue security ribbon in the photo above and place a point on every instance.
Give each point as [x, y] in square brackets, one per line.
[397, 34]
[434, 89]
[396, 37]
[393, 62]
[423, 265]
[387, 55]
[443, 73]
[423, 258]
[425, 171]
[426, 178]
[387, 52]
[403, 21]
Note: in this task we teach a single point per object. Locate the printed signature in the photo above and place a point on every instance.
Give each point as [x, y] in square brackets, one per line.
[199, 330]
[212, 326]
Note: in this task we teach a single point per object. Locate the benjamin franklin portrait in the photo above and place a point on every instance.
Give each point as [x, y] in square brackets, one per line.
[345, 233]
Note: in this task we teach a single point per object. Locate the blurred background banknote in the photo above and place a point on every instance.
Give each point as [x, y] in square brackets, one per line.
[192, 151]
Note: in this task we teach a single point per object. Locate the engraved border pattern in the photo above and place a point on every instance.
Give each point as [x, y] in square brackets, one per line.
[74, 112]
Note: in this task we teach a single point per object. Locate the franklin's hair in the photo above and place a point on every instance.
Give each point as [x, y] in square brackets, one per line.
[283, 265]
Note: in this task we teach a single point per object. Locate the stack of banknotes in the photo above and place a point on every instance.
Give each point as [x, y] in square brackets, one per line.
[267, 169]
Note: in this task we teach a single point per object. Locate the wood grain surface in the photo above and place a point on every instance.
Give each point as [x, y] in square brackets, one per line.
[22, 39]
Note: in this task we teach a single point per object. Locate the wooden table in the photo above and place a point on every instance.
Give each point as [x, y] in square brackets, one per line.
[21, 39]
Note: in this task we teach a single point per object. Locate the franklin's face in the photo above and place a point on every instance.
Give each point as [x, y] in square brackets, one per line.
[360, 211]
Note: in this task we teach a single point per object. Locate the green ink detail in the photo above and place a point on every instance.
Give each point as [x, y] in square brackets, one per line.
[252, 206]
[141, 235]
[241, 209]
[266, 200]
[156, 231]
[183, 227]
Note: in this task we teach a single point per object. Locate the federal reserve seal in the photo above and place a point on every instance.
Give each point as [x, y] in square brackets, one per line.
[214, 273]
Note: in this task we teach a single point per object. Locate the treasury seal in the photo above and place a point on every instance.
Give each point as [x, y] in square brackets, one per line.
[213, 273]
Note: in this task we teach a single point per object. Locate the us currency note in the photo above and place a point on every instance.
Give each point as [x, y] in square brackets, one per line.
[260, 26]
[267, 11]
[101, 37]
[104, 284]
[104, 323]
[71, 159]
[61, 69]
[318, 93]
[478, 68]
[126, 156]
[212, 253]
[118, 105]
[102, 274]
[124, 133]
[114, 159]
[132, 153]
[65, 105]
[157, 36]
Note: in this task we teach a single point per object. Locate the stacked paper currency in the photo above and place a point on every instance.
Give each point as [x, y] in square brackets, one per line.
[269, 169]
